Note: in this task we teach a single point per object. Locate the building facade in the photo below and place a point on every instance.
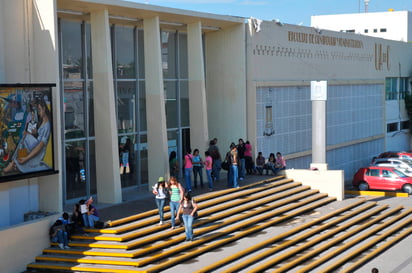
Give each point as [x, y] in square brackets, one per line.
[135, 82]
[391, 25]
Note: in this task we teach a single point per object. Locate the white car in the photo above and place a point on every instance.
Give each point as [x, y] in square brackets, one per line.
[404, 165]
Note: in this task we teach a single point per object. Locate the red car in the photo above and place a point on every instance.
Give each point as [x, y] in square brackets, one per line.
[398, 154]
[382, 178]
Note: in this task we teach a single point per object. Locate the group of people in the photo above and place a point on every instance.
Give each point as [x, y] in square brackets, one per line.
[84, 215]
[238, 162]
[180, 203]
[273, 164]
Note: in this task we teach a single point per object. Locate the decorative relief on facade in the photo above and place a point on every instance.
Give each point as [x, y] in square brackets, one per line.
[321, 54]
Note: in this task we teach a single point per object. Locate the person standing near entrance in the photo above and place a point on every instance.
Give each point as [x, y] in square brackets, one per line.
[233, 169]
[208, 167]
[241, 148]
[197, 167]
[188, 169]
[217, 159]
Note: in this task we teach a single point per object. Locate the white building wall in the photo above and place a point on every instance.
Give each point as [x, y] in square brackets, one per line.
[285, 58]
[397, 24]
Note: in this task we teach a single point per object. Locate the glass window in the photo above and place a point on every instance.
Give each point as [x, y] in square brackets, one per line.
[144, 173]
[125, 54]
[183, 67]
[126, 106]
[92, 167]
[392, 127]
[142, 107]
[383, 29]
[71, 49]
[75, 169]
[373, 172]
[91, 108]
[171, 104]
[391, 87]
[140, 52]
[184, 103]
[405, 125]
[168, 54]
[403, 87]
[89, 51]
[74, 113]
[128, 159]
[386, 173]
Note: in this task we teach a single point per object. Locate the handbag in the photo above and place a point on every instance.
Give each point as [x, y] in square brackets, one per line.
[225, 165]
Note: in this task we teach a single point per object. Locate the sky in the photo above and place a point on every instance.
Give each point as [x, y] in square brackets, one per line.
[297, 12]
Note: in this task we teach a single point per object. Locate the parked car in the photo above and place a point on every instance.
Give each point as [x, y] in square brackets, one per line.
[400, 163]
[382, 178]
[394, 154]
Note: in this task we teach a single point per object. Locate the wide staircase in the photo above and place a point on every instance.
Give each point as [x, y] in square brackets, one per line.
[274, 225]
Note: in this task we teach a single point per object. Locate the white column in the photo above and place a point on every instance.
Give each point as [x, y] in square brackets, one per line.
[107, 154]
[158, 159]
[199, 133]
[318, 97]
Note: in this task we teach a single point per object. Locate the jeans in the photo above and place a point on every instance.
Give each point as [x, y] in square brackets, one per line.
[174, 206]
[242, 167]
[233, 176]
[260, 170]
[209, 178]
[188, 221]
[216, 166]
[61, 238]
[160, 206]
[188, 174]
[89, 220]
[198, 170]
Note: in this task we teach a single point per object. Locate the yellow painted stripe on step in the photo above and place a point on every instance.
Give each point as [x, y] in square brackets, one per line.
[299, 249]
[250, 194]
[82, 268]
[228, 230]
[295, 230]
[378, 193]
[374, 241]
[89, 252]
[396, 239]
[84, 260]
[198, 199]
[224, 197]
[364, 231]
[215, 224]
[256, 228]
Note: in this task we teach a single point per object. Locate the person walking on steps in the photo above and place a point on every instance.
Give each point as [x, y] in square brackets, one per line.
[161, 191]
[188, 208]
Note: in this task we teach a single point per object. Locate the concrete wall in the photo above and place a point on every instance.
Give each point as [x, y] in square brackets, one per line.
[226, 85]
[20, 244]
[326, 181]
[396, 23]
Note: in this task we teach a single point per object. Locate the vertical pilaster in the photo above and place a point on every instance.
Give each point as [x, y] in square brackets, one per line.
[199, 133]
[107, 155]
[155, 102]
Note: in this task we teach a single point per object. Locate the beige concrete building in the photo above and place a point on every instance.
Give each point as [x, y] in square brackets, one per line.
[135, 82]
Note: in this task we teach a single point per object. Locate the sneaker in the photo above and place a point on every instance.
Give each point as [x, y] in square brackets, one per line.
[61, 246]
[160, 223]
[241, 178]
[66, 247]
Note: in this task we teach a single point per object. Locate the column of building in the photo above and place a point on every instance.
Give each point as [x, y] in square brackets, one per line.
[107, 159]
